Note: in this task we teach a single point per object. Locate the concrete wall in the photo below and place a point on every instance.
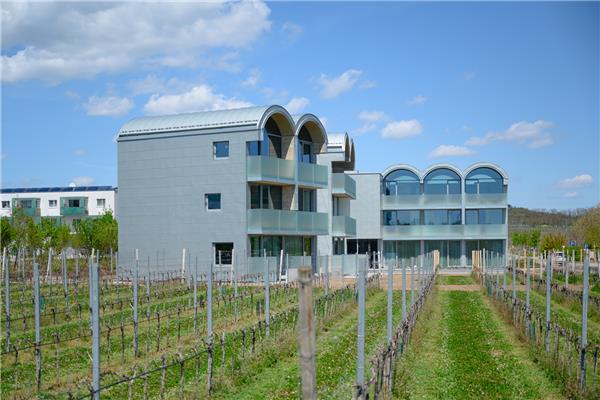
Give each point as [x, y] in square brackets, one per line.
[366, 208]
[163, 179]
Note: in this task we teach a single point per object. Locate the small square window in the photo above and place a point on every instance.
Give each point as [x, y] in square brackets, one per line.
[220, 149]
[213, 201]
[52, 203]
[100, 203]
[5, 204]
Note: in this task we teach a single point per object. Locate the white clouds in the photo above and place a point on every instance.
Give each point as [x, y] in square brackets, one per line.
[297, 104]
[61, 41]
[571, 195]
[369, 121]
[198, 98]
[576, 181]
[291, 30]
[531, 134]
[152, 84]
[252, 80]
[333, 87]
[402, 129]
[80, 152]
[82, 181]
[367, 85]
[447, 150]
[417, 100]
[108, 106]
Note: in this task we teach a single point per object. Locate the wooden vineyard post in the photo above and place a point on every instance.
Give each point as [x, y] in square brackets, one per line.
[306, 334]
[584, 318]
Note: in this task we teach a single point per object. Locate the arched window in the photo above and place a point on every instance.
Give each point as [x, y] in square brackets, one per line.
[484, 181]
[401, 182]
[306, 152]
[442, 181]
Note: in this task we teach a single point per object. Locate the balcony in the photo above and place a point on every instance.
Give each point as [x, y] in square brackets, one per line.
[73, 206]
[498, 200]
[287, 222]
[343, 226]
[269, 169]
[27, 211]
[312, 175]
[418, 201]
[343, 185]
[486, 231]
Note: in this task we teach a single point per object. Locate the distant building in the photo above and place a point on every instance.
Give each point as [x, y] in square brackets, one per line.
[65, 204]
[257, 185]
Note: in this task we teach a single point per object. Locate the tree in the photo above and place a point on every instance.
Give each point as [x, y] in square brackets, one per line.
[105, 233]
[7, 232]
[553, 241]
[534, 238]
[519, 238]
[587, 227]
[84, 234]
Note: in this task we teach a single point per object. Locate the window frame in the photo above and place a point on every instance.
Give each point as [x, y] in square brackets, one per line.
[207, 202]
[50, 203]
[5, 202]
[215, 144]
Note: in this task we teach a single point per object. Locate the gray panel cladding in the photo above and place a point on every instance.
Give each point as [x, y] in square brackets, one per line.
[162, 185]
[366, 208]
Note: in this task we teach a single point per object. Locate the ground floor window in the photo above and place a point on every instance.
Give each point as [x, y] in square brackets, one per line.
[223, 253]
[494, 245]
[403, 249]
[338, 246]
[449, 252]
[362, 246]
[272, 245]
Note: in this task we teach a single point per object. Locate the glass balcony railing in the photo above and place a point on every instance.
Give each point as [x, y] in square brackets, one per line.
[343, 226]
[402, 232]
[73, 211]
[27, 211]
[343, 185]
[486, 200]
[313, 175]
[265, 221]
[269, 169]
[416, 201]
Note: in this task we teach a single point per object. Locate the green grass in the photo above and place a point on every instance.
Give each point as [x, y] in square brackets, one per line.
[462, 350]
[455, 280]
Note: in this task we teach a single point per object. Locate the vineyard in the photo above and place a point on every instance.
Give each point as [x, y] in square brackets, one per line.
[75, 328]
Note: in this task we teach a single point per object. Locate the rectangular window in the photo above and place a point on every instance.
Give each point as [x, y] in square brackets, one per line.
[274, 146]
[402, 217]
[266, 197]
[213, 201]
[307, 200]
[454, 217]
[5, 204]
[223, 253]
[471, 217]
[74, 203]
[101, 203]
[52, 203]
[253, 147]
[221, 149]
[442, 217]
[485, 216]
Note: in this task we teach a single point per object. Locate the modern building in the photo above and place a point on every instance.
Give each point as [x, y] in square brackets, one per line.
[405, 212]
[247, 185]
[65, 204]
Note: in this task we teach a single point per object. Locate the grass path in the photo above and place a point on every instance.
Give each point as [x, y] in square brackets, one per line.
[463, 350]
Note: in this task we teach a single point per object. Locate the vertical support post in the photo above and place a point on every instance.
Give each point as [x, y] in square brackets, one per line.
[412, 281]
[504, 266]
[584, 317]
[566, 268]
[327, 269]
[148, 291]
[528, 272]
[548, 301]
[135, 303]
[111, 262]
[360, 353]
[36, 303]
[6, 270]
[196, 299]
[306, 335]
[94, 300]
[514, 279]
[389, 301]
[183, 265]
[65, 281]
[267, 305]
[235, 282]
[403, 288]
[209, 286]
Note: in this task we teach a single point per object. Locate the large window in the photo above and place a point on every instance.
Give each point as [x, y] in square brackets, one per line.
[401, 182]
[265, 196]
[223, 253]
[307, 200]
[442, 181]
[221, 149]
[306, 147]
[442, 217]
[213, 201]
[484, 181]
[484, 216]
[402, 217]
[74, 203]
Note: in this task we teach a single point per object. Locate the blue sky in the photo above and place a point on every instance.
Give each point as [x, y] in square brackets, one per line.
[419, 83]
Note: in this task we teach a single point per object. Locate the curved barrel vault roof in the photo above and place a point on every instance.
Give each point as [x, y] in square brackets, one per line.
[462, 174]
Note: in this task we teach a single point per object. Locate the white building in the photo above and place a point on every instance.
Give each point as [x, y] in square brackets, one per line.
[66, 204]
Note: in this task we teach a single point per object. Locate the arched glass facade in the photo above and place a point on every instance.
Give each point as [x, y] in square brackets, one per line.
[401, 182]
[442, 181]
[484, 181]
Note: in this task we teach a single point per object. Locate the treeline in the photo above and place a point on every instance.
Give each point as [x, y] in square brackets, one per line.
[24, 232]
[548, 230]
